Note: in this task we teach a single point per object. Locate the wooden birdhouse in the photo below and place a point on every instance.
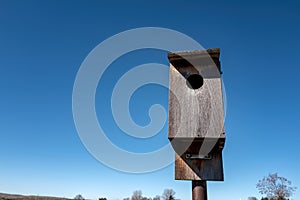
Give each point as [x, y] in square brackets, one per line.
[196, 114]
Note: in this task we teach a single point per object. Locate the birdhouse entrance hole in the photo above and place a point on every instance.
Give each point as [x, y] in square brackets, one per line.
[194, 81]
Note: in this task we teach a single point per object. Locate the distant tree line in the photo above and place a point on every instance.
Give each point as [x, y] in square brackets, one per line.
[273, 187]
[168, 194]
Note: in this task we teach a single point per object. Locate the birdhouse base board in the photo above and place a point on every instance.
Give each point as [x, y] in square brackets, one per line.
[199, 169]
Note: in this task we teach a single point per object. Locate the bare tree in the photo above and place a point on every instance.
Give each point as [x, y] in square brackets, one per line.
[157, 197]
[275, 187]
[79, 197]
[252, 198]
[137, 195]
[168, 194]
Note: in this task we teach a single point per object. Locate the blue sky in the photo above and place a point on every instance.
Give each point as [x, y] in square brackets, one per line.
[42, 45]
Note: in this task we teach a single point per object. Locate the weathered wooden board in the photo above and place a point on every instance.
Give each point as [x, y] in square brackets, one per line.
[196, 115]
[195, 169]
[195, 112]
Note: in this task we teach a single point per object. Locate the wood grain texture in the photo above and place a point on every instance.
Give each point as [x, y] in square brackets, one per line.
[196, 115]
[195, 169]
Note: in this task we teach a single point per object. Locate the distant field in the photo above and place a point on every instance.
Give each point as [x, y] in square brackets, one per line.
[21, 197]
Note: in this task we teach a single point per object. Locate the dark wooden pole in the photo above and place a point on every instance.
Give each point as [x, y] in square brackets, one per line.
[199, 190]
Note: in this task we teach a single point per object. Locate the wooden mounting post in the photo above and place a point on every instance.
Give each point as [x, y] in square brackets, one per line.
[199, 190]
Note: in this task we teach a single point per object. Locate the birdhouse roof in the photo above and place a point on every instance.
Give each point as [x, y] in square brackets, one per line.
[195, 58]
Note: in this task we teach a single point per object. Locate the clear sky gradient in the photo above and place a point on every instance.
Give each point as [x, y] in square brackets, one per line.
[43, 43]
